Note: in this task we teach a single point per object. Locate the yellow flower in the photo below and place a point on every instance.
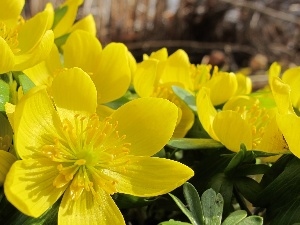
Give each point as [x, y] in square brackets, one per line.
[10, 10]
[287, 120]
[148, 83]
[242, 120]
[25, 43]
[6, 160]
[109, 68]
[67, 151]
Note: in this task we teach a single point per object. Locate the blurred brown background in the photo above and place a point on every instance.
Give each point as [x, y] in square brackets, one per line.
[242, 31]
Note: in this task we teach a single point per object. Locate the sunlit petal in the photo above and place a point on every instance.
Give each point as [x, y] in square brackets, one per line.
[28, 186]
[92, 209]
[156, 120]
[232, 130]
[145, 176]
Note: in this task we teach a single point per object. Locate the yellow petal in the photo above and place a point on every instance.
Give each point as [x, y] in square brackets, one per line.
[43, 73]
[292, 78]
[206, 112]
[74, 91]
[10, 110]
[274, 70]
[148, 124]
[232, 130]
[114, 76]
[87, 24]
[6, 57]
[32, 31]
[104, 111]
[177, 68]
[185, 123]
[145, 78]
[272, 140]
[82, 50]
[90, 209]
[150, 176]
[161, 54]
[6, 160]
[64, 25]
[34, 118]
[11, 9]
[281, 93]
[29, 186]
[244, 84]
[37, 55]
[289, 125]
[223, 86]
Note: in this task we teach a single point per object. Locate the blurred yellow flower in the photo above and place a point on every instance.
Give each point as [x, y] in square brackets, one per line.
[67, 151]
[24, 44]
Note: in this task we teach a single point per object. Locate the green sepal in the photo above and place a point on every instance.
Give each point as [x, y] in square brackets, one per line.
[186, 96]
[4, 94]
[125, 201]
[59, 13]
[194, 143]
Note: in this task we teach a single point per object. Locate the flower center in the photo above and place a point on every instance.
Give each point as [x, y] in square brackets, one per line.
[86, 149]
[10, 36]
[257, 117]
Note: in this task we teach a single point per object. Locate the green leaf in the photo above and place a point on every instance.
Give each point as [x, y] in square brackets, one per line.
[59, 13]
[4, 94]
[212, 205]
[173, 222]
[186, 96]
[252, 220]
[125, 201]
[184, 209]
[60, 41]
[193, 201]
[235, 217]
[25, 82]
[251, 169]
[237, 159]
[194, 143]
[248, 187]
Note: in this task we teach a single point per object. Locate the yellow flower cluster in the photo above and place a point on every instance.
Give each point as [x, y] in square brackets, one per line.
[61, 137]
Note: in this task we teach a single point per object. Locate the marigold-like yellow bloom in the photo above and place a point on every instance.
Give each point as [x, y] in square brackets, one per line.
[67, 151]
[24, 44]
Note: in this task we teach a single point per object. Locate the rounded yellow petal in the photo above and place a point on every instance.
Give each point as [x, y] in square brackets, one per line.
[6, 57]
[150, 176]
[289, 125]
[177, 68]
[232, 130]
[281, 93]
[186, 121]
[6, 160]
[114, 75]
[148, 124]
[87, 24]
[206, 112]
[145, 78]
[74, 91]
[98, 209]
[223, 86]
[244, 84]
[161, 54]
[34, 117]
[82, 50]
[292, 78]
[29, 186]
